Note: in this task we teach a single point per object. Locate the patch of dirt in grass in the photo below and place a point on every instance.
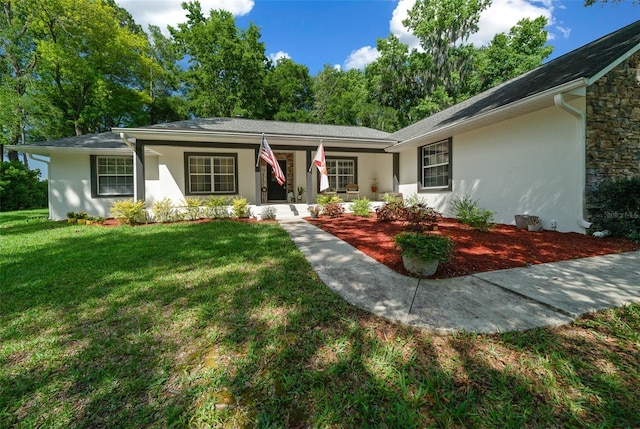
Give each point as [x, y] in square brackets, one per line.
[504, 246]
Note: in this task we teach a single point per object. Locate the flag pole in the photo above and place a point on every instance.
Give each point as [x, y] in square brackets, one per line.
[260, 150]
[312, 163]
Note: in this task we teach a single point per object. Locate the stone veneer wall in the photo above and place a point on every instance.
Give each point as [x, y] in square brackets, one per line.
[613, 127]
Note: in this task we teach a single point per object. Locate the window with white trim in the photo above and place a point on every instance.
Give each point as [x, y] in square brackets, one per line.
[341, 171]
[211, 174]
[435, 162]
[114, 175]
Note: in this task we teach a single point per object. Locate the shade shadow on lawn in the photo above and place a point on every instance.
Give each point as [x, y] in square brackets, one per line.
[225, 324]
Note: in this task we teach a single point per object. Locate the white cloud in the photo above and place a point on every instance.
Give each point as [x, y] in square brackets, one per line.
[566, 32]
[498, 18]
[360, 58]
[337, 67]
[278, 55]
[169, 12]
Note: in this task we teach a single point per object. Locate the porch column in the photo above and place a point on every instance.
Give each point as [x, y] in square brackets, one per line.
[309, 183]
[138, 173]
[396, 172]
[257, 175]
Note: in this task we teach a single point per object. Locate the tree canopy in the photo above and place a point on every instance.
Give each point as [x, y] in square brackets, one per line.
[70, 67]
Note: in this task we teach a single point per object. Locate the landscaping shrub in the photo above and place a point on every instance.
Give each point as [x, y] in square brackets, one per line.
[392, 210]
[427, 247]
[240, 208]
[333, 210]
[128, 211]
[193, 208]
[164, 211]
[20, 188]
[466, 210]
[620, 207]
[361, 207]
[323, 200]
[268, 213]
[216, 207]
[418, 217]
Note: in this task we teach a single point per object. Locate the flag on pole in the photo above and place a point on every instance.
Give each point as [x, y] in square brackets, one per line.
[270, 158]
[320, 162]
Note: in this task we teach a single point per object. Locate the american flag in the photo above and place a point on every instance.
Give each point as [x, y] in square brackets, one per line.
[270, 158]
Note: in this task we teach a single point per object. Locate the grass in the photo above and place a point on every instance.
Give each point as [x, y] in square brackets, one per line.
[225, 324]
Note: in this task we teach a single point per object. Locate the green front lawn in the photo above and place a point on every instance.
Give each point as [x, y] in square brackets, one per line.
[225, 324]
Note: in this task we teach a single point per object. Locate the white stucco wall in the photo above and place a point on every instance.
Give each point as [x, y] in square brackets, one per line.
[70, 177]
[70, 187]
[527, 165]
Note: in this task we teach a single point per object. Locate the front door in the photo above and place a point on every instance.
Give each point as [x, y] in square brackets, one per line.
[276, 192]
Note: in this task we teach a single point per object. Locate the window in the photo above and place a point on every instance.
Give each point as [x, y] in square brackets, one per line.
[435, 163]
[113, 175]
[211, 173]
[342, 171]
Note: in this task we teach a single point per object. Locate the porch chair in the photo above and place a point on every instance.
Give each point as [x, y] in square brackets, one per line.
[352, 189]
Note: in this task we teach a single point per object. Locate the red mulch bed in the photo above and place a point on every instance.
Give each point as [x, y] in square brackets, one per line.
[504, 246]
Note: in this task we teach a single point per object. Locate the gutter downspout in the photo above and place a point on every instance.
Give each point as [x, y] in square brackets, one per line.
[48, 163]
[560, 102]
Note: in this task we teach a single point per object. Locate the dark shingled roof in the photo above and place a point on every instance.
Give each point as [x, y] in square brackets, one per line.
[106, 140]
[254, 126]
[584, 62]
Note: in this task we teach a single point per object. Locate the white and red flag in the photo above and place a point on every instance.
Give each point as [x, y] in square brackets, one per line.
[320, 162]
[270, 158]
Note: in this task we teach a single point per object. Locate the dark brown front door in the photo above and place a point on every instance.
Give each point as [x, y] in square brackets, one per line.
[275, 192]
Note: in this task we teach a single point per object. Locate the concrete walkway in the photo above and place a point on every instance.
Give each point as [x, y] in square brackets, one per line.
[497, 301]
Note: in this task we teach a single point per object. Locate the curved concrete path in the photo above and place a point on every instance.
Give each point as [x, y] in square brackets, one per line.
[497, 301]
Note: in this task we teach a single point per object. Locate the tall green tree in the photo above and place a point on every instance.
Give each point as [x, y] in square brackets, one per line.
[165, 86]
[340, 97]
[510, 55]
[18, 61]
[227, 66]
[92, 68]
[443, 28]
[289, 90]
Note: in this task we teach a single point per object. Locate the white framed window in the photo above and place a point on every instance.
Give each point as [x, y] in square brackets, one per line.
[341, 171]
[435, 166]
[211, 174]
[113, 175]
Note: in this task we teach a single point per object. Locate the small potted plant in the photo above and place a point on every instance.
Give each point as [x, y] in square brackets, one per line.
[72, 217]
[301, 191]
[421, 252]
[314, 211]
[82, 217]
[374, 184]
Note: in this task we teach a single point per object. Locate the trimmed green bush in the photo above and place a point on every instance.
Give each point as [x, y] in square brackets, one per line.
[128, 211]
[361, 207]
[428, 247]
[240, 208]
[466, 210]
[193, 208]
[216, 207]
[164, 211]
[323, 200]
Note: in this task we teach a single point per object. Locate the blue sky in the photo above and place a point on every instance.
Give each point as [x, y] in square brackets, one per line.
[344, 32]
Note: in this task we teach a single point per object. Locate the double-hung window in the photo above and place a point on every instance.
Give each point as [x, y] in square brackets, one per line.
[211, 173]
[113, 175]
[341, 171]
[435, 166]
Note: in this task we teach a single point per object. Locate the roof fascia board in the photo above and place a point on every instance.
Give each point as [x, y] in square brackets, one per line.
[450, 129]
[46, 150]
[614, 64]
[167, 134]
